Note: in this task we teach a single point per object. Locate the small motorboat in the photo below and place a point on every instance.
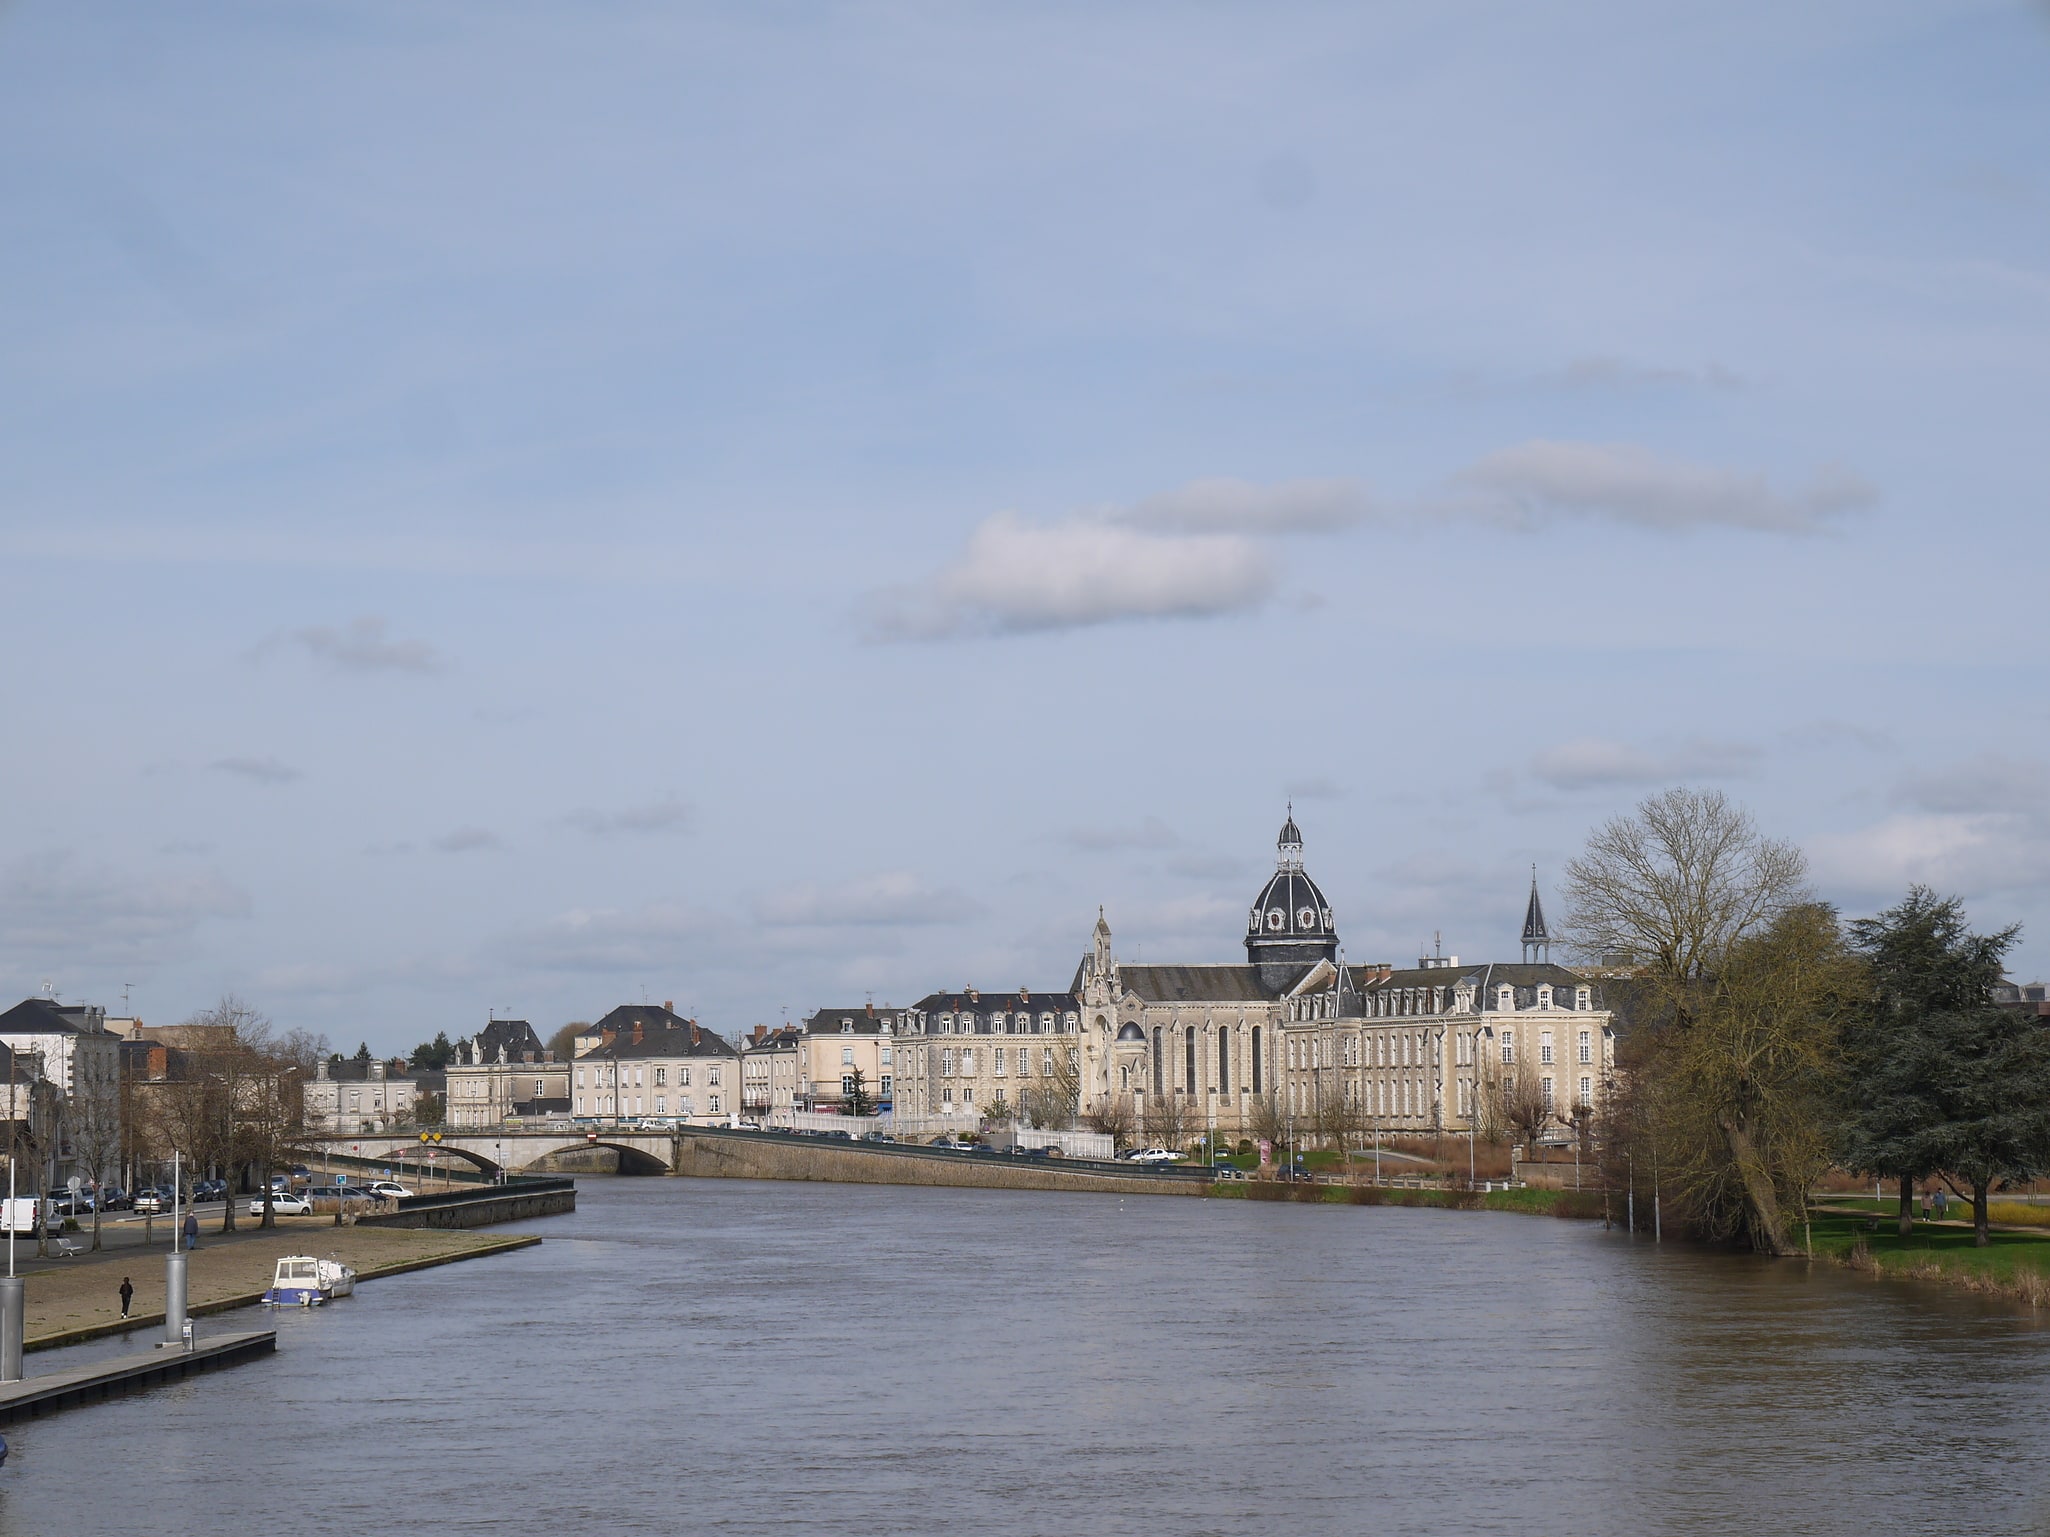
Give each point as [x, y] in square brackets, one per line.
[305, 1281]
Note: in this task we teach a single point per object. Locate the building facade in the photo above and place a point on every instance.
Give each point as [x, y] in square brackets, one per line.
[504, 1071]
[966, 1057]
[770, 1077]
[838, 1043]
[648, 1063]
[81, 1059]
[354, 1095]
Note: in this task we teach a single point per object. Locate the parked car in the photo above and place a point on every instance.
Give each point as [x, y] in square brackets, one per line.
[944, 1142]
[389, 1189]
[877, 1136]
[1156, 1155]
[154, 1198]
[210, 1190]
[114, 1198]
[284, 1204]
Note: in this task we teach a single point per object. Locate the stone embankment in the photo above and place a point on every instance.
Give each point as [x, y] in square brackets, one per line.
[753, 1155]
[514, 1201]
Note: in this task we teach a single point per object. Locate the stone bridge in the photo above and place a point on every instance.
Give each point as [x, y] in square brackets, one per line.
[721, 1153]
[491, 1150]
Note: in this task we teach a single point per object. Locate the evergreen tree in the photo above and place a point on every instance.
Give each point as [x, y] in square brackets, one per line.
[1923, 962]
[362, 1051]
[1963, 1084]
[433, 1056]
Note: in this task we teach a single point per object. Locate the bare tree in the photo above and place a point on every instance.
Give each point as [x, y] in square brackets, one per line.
[1116, 1119]
[1520, 1105]
[1168, 1119]
[1053, 1105]
[1677, 882]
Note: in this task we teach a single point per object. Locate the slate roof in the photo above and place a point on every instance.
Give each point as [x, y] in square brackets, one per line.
[827, 1021]
[43, 1016]
[515, 1035]
[983, 1005]
[1212, 983]
[687, 1040]
[356, 1070]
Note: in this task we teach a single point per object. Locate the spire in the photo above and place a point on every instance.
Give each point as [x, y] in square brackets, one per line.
[1537, 939]
[1289, 845]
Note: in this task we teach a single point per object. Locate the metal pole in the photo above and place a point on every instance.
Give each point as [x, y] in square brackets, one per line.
[174, 1299]
[11, 1315]
[177, 1189]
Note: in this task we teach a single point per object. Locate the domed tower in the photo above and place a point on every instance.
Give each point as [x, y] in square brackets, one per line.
[1289, 929]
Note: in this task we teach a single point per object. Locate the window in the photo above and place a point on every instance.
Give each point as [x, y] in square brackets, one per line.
[1586, 1091]
[580, 1078]
[1159, 1067]
[1257, 1064]
[661, 1104]
[1545, 1047]
[1580, 999]
[946, 1096]
[1189, 1060]
[968, 1060]
[886, 1056]
[683, 1104]
[683, 1077]
[1224, 1060]
[947, 1062]
[714, 1105]
[968, 1096]
[661, 1076]
[1046, 1062]
[712, 1077]
[1000, 1099]
[886, 1086]
[847, 1086]
[1547, 1085]
[1508, 1047]
[847, 1056]
[1586, 1046]
[1545, 996]
[997, 1063]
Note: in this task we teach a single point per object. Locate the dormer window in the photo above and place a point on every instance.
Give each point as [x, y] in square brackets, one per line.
[1581, 999]
[1505, 1000]
[1545, 996]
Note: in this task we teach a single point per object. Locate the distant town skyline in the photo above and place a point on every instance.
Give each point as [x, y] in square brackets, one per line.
[534, 510]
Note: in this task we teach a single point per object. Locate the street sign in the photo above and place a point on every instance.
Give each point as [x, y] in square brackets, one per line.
[74, 1184]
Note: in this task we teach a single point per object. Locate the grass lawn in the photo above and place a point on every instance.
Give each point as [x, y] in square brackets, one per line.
[2014, 1264]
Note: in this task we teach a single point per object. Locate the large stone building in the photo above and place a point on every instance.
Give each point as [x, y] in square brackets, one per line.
[358, 1094]
[70, 1046]
[1177, 1050]
[838, 1043]
[502, 1071]
[644, 1061]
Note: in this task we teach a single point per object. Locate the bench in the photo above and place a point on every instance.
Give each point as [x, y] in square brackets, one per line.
[69, 1248]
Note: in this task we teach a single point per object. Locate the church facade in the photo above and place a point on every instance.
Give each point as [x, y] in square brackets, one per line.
[1418, 1051]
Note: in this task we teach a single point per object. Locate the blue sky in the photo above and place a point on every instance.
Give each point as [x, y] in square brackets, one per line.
[533, 507]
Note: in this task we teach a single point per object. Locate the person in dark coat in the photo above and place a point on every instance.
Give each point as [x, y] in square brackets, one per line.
[127, 1295]
[191, 1231]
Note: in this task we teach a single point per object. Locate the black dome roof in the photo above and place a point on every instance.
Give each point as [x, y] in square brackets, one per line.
[1290, 906]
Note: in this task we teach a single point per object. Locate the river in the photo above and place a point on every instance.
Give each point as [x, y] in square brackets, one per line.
[710, 1356]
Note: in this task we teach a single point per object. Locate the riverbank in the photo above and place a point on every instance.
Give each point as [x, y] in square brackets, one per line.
[80, 1299]
[1579, 1205]
[2015, 1264]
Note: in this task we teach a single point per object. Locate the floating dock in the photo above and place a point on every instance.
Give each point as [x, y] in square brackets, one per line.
[34, 1397]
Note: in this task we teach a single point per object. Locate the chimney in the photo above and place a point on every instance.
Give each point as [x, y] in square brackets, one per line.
[668, 1005]
[871, 1008]
[693, 1032]
[637, 1032]
[760, 1031]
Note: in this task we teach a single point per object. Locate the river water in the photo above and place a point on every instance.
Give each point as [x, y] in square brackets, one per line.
[712, 1356]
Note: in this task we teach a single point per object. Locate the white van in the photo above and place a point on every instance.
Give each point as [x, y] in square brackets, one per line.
[19, 1215]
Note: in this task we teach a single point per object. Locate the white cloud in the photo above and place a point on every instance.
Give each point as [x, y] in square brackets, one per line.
[1317, 787]
[56, 912]
[1534, 482]
[468, 840]
[1224, 506]
[363, 645]
[268, 771]
[1016, 577]
[894, 897]
[1978, 827]
[663, 816]
[1598, 763]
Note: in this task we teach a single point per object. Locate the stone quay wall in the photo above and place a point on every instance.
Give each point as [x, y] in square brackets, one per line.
[514, 1201]
[714, 1156]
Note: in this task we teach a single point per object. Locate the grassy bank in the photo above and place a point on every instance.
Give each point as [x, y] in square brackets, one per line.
[1578, 1204]
[2012, 1265]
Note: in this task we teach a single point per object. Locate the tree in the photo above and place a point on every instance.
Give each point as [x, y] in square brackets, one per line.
[857, 1100]
[1722, 1060]
[362, 1051]
[429, 1109]
[1744, 1091]
[1677, 883]
[1116, 1120]
[564, 1042]
[1054, 1104]
[1980, 1108]
[1267, 1121]
[1520, 1105]
[432, 1056]
[1167, 1119]
[1922, 962]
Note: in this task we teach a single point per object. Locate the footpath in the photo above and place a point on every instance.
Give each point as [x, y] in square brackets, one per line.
[72, 1300]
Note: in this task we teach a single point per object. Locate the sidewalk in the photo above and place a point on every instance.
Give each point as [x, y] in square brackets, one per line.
[72, 1300]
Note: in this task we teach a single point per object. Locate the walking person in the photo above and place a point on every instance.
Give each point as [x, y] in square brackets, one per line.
[1942, 1203]
[191, 1231]
[127, 1295]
